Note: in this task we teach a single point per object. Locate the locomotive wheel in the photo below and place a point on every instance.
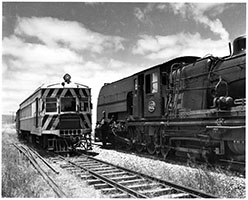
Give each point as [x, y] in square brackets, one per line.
[151, 148]
[164, 147]
[165, 152]
[139, 147]
[138, 144]
[128, 147]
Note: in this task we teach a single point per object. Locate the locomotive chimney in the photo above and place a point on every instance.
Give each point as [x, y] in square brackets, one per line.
[239, 45]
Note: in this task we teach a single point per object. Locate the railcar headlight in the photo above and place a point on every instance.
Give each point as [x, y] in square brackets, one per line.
[67, 78]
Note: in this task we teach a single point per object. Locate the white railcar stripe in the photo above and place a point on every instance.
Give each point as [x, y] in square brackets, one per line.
[81, 92]
[73, 92]
[88, 92]
[46, 93]
[81, 123]
[47, 122]
[56, 122]
[64, 92]
[54, 92]
[87, 119]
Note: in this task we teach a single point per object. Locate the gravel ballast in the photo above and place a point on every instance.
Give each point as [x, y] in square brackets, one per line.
[219, 183]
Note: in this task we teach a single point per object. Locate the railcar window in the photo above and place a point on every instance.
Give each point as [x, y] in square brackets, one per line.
[68, 104]
[84, 105]
[135, 84]
[51, 105]
[148, 83]
[154, 82]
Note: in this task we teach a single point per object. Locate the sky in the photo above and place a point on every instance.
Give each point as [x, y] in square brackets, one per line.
[99, 43]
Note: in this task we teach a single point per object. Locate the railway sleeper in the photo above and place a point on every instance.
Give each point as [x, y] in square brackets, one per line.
[144, 186]
[94, 181]
[88, 164]
[84, 161]
[124, 178]
[120, 196]
[178, 195]
[108, 171]
[112, 190]
[158, 192]
[91, 167]
[67, 166]
[102, 186]
[77, 171]
[101, 168]
[85, 176]
[135, 181]
[115, 174]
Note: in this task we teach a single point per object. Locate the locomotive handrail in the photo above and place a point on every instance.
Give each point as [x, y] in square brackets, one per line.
[225, 127]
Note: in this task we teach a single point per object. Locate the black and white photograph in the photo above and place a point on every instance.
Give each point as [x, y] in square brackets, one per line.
[113, 99]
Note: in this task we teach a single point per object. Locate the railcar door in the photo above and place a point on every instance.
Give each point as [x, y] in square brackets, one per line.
[138, 97]
[152, 96]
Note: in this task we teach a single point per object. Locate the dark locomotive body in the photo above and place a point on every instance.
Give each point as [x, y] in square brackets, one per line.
[188, 106]
[57, 116]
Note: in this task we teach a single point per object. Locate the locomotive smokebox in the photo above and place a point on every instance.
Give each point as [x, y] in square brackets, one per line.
[239, 45]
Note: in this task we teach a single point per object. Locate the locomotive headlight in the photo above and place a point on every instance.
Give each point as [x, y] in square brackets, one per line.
[67, 78]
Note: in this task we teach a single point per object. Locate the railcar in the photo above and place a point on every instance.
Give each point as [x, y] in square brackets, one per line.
[188, 106]
[57, 116]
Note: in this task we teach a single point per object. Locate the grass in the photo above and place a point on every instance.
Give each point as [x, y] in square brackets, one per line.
[19, 179]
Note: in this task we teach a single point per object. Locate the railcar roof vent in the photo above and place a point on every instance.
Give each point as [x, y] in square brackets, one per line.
[239, 45]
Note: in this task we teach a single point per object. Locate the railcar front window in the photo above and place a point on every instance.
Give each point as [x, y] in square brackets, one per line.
[68, 104]
[51, 105]
[84, 105]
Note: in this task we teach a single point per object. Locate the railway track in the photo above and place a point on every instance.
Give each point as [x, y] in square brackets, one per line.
[119, 182]
[38, 161]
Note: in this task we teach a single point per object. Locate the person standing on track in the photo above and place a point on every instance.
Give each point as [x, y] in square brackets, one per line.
[104, 128]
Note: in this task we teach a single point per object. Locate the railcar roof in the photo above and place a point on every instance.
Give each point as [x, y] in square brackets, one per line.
[55, 86]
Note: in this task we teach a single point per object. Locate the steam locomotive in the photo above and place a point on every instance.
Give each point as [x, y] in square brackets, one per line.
[57, 116]
[188, 106]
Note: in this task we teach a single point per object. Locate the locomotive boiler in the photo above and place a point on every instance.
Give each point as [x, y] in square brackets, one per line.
[188, 106]
[57, 116]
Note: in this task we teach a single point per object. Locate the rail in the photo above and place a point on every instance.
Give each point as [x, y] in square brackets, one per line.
[30, 155]
[120, 182]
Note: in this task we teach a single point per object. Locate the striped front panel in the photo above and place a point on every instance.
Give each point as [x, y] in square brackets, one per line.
[65, 92]
[52, 122]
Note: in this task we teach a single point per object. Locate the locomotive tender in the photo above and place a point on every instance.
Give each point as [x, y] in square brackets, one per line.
[57, 116]
[188, 106]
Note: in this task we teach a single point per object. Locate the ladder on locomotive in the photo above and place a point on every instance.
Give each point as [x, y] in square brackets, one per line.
[174, 88]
